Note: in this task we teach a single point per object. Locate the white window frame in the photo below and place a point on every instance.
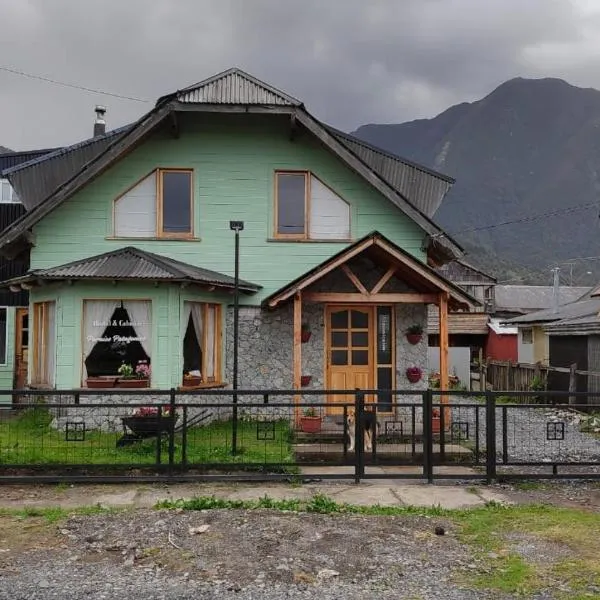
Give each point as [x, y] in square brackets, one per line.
[13, 198]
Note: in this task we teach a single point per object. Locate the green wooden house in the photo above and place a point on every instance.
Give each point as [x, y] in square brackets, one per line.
[132, 256]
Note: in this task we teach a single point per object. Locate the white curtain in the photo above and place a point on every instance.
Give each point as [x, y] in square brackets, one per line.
[98, 311]
[139, 312]
[197, 321]
[185, 319]
[209, 351]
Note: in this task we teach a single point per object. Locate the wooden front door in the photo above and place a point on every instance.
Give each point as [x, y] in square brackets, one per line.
[349, 347]
[21, 347]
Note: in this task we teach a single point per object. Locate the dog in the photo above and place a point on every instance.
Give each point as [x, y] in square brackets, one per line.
[370, 427]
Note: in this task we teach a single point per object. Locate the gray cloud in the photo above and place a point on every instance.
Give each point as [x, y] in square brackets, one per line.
[350, 61]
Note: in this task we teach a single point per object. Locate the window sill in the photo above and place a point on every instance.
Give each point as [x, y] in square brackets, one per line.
[307, 241]
[153, 239]
[202, 386]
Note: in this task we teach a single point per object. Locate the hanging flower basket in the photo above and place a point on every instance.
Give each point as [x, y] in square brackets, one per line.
[414, 334]
[305, 380]
[414, 374]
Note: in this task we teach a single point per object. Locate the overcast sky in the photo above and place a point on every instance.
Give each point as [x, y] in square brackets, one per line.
[351, 61]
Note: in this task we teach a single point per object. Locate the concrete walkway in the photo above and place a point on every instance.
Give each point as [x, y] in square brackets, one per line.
[142, 496]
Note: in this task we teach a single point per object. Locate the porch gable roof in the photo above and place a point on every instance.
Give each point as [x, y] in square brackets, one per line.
[132, 264]
[420, 276]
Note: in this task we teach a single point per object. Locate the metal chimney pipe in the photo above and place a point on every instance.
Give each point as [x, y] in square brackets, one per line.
[100, 123]
[556, 290]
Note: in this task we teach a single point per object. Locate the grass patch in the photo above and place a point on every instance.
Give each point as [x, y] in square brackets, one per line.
[53, 514]
[29, 439]
[484, 530]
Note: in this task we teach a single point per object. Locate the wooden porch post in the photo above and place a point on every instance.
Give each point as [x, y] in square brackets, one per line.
[444, 378]
[297, 351]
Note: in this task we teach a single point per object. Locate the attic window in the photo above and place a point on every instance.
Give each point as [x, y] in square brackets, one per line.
[307, 209]
[158, 206]
[7, 193]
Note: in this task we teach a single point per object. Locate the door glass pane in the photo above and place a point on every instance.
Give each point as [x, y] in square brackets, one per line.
[360, 320]
[291, 191]
[177, 189]
[360, 338]
[339, 357]
[384, 382]
[384, 335]
[339, 339]
[339, 319]
[360, 357]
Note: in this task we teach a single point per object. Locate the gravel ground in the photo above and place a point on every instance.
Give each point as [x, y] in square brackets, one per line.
[526, 433]
[240, 554]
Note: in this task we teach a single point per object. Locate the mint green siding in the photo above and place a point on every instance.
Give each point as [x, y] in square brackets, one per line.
[7, 367]
[234, 158]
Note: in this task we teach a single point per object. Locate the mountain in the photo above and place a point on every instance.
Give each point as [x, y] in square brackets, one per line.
[532, 146]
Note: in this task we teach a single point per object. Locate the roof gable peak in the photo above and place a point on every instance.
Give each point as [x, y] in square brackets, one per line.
[234, 86]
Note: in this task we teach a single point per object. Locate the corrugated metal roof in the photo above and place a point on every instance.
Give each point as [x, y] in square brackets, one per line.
[424, 187]
[473, 323]
[500, 328]
[38, 177]
[566, 311]
[13, 159]
[134, 264]
[234, 86]
[530, 298]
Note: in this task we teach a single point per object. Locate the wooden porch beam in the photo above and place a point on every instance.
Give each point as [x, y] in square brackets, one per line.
[444, 343]
[386, 277]
[297, 351]
[354, 298]
[354, 279]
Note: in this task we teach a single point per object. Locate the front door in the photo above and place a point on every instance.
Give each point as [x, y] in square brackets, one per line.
[350, 360]
[21, 347]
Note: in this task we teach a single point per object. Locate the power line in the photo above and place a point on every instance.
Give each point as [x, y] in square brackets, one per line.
[70, 85]
[560, 211]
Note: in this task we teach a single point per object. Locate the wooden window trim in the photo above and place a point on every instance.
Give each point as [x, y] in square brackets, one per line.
[40, 350]
[159, 205]
[292, 236]
[159, 233]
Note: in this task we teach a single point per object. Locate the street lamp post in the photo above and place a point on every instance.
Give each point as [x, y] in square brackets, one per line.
[235, 226]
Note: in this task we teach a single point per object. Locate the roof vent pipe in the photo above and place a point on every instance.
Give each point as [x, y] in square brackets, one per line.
[100, 123]
[556, 290]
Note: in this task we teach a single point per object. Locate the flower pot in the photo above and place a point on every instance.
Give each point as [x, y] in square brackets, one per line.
[192, 380]
[305, 380]
[305, 335]
[101, 382]
[148, 426]
[413, 377]
[310, 424]
[414, 338]
[133, 383]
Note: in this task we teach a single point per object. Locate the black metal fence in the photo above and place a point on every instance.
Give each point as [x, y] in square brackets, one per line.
[149, 435]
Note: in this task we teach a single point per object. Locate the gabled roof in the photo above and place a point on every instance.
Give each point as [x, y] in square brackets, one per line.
[132, 264]
[234, 86]
[230, 86]
[415, 273]
[10, 160]
[566, 311]
[533, 298]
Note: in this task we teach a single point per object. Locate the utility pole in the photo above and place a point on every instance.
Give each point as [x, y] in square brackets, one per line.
[556, 289]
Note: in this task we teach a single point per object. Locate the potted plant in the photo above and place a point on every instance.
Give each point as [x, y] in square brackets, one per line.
[148, 421]
[414, 333]
[414, 374]
[435, 420]
[101, 382]
[305, 380]
[305, 333]
[128, 378]
[310, 421]
[191, 379]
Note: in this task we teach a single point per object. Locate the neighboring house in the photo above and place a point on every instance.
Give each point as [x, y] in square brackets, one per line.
[501, 342]
[132, 257]
[13, 306]
[533, 340]
[517, 300]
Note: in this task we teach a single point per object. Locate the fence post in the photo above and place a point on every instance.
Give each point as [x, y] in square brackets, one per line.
[490, 435]
[428, 435]
[172, 430]
[184, 436]
[359, 459]
[572, 383]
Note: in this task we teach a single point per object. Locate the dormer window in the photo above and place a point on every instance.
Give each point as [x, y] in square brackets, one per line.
[7, 193]
[307, 209]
